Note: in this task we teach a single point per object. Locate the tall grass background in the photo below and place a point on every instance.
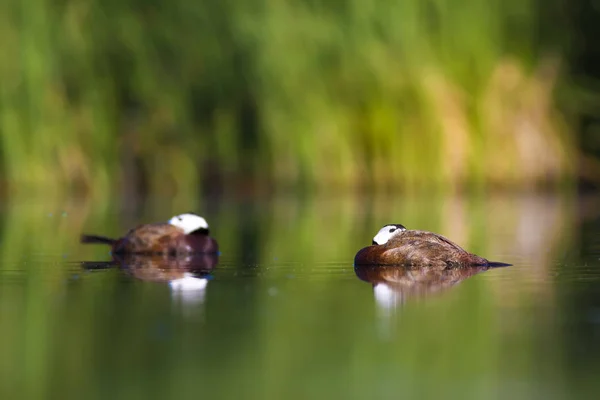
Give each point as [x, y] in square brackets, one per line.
[173, 97]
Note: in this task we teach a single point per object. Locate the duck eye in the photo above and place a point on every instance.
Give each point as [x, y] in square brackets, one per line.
[392, 229]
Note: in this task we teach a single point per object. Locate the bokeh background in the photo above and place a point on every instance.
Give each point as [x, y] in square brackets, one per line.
[195, 97]
[298, 128]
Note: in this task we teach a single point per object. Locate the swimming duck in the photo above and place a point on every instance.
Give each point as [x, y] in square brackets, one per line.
[183, 234]
[396, 245]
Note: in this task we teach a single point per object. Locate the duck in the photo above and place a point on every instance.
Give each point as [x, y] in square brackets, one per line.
[183, 234]
[396, 245]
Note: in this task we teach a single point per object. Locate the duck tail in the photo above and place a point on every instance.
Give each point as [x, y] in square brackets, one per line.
[495, 264]
[97, 265]
[97, 239]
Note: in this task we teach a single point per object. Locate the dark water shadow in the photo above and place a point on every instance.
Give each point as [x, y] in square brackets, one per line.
[157, 268]
[187, 276]
[393, 285]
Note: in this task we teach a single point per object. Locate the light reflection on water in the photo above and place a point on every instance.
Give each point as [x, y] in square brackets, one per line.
[284, 313]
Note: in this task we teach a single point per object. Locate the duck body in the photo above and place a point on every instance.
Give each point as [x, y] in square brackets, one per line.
[396, 245]
[164, 238]
[183, 234]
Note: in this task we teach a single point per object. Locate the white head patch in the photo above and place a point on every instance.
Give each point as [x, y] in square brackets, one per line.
[387, 232]
[189, 222]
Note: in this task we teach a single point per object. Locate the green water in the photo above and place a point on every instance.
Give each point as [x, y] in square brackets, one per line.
[284, 314]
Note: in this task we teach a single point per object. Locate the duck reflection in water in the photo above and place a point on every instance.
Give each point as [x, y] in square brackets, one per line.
[393, 285]
[187, 275]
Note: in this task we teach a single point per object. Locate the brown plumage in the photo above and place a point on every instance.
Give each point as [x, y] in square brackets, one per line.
[417, 248]
[160, 238]
[163, 238]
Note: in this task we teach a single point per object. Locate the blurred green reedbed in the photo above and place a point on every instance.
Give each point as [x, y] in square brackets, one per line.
[343, 95]
[286, 316]
[184, 100]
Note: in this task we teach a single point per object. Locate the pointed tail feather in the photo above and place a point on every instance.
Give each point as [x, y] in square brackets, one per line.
[495, 264]
[97, 265]
[97, 239]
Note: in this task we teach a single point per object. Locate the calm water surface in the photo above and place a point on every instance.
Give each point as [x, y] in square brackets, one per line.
[284, 314]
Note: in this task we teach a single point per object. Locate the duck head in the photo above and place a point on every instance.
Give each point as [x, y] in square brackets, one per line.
[387, 232]
[190, 223]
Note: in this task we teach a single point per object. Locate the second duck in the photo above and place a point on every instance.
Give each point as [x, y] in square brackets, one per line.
[396, 245]
[183, 234]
